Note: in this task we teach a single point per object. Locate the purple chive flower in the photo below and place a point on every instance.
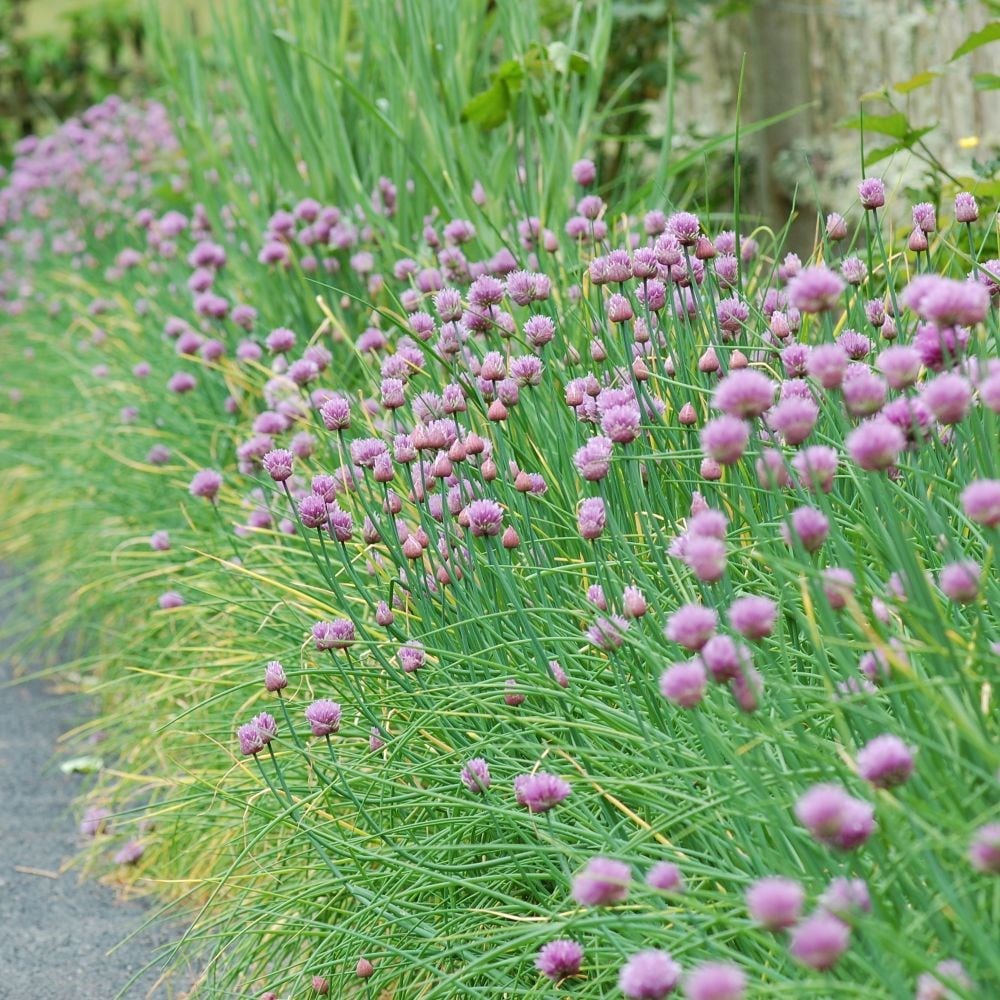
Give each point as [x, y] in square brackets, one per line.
[856, 345]
[280, 341]
[775, 902]
[715, 981]
[935, 985]
[724, 439]
[584, 172]
[960, 581]
[948, 397]
[593, 459]
[170, 599]
[159, 541]
[816, 466]
[853, 270]
[130, 853]
[476, 775]
[591, 518]
[723, 658]
[96, 820]
[875, 445]
[560, 959]
[254, 735]
[827, 363]
[925, 217]
[278, 464]
[793, 418]
[485, 517]
[540, 791]
[744, 393]
[274, 676]
[864, 392]
[846, 898]
[836, 226]
[871, 191]
[684, 683]
[206, 484]
[608, 633]
[559, 675]
[665, 877]
[336, 414]
[706, 556]
[649, 975]
[966, 209]
[753, 616]
[181, 382]
[323, 717]
[810, 526]
[946, 301]
[885, 761]
[411, 658]
[338, 634]
[984, 849]
[815, 289]
[708, 522]
[835, 818]
[900, 365]
[691, 626]
[981, 502]
[602, 882]
[621, 423]
[838, 586]
[819, 941]
[313, 511]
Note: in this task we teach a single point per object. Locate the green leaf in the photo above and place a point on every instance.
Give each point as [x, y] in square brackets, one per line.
[916, 82]
[489, 108]
[977, 39]
[986, 81]
[895, 125]
[510, 71]
[907, 142]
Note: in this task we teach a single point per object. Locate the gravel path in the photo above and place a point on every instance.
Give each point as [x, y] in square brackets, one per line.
[57, 932]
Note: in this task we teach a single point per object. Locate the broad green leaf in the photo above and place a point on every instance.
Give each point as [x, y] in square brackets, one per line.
[895, 125]
[986, 81]
[916, 82]
[907, 142]
[489, 108]
[977, 39]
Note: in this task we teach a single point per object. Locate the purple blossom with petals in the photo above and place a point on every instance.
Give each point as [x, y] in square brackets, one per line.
[665, 877]
[206, 484]
[323, 717]
[981, 502]
[835, 818]
[559, 960]
[476, 775]
[775, 902]
[815, 289]
[602, 882]
[541, 791]
[649, 975]
[885, 761]
[684, 683]
[692, 625]
[984, 849]
[337, 634]
[715, 981]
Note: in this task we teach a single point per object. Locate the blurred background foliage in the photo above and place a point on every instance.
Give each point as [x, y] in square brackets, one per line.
[662, 90]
